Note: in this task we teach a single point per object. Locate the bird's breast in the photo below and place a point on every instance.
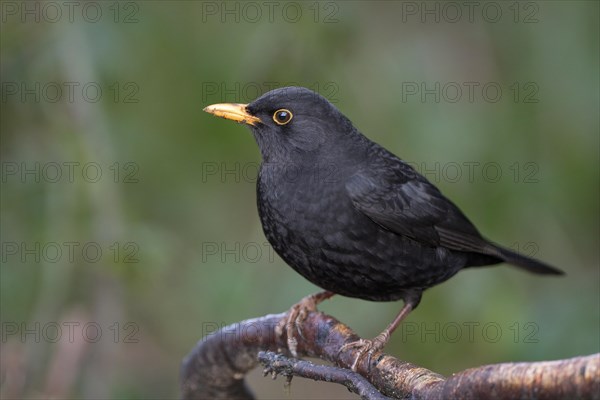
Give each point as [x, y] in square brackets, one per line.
[301, 207]
[313, 225]
[301, 200]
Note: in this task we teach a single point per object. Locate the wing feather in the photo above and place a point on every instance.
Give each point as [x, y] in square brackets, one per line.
[404, 202]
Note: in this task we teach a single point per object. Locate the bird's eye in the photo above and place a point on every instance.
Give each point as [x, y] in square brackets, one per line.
[282, 116]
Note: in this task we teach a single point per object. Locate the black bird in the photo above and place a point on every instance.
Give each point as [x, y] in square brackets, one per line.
[349, 215]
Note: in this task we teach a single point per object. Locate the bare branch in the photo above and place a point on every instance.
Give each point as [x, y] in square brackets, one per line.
[277, 364]
[216, 367]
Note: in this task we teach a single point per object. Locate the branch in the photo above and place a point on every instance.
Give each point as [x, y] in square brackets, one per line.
[216, 367]
[276, 364]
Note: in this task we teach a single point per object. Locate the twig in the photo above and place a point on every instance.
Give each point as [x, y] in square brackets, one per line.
[277, 364]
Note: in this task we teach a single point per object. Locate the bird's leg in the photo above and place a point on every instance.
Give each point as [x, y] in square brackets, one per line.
[297, 314]
[370, 346]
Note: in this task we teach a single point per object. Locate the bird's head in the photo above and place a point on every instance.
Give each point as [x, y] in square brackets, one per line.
[289, 122]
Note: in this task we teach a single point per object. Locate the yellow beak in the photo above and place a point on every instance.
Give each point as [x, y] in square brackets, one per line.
[234, 112]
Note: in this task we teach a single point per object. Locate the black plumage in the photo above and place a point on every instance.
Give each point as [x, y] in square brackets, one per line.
[350, 216]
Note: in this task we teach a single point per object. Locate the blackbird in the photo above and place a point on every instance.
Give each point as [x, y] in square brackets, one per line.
[349, 215]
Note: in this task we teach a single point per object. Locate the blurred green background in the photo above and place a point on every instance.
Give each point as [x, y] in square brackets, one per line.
[129, 225]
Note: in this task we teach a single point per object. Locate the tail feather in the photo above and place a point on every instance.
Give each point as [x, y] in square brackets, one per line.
[527, 263]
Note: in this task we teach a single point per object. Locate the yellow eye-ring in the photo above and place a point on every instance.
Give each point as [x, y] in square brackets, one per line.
[282, 116]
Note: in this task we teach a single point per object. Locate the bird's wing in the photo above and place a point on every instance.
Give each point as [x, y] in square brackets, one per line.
[404, 202]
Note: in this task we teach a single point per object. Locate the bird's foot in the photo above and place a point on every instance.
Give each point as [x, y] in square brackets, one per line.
[296, 315]
[366, 347]
[370, 347]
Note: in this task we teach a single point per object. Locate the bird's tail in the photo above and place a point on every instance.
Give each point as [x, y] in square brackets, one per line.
[527, 263]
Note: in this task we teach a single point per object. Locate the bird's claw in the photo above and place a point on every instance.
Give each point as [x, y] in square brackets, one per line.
[295, 316]
[364, 347]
